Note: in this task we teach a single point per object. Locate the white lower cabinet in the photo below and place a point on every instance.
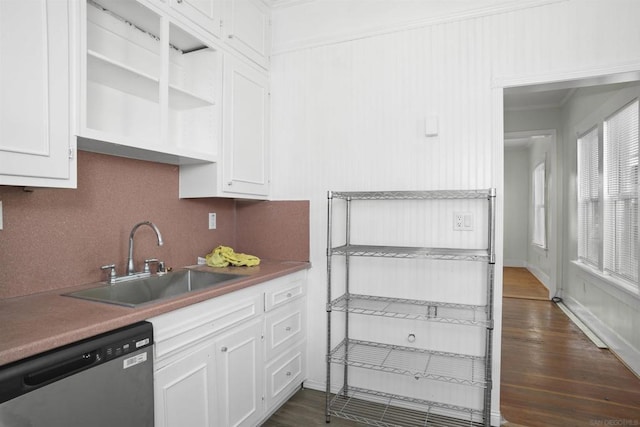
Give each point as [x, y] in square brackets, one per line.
[184, 390]
[231, 360]
[239, 375]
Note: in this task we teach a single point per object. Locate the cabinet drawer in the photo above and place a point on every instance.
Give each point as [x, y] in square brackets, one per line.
[285, 374]
[188, 325]
[285, 292]
[285, 327]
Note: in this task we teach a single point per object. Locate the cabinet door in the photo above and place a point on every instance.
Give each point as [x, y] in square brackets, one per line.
[206, 13]
[247, 29]
[36, 147]
[239, 376]
[184, 390]
[245, 167]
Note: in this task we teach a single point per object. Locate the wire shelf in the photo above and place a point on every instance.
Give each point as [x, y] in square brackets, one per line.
[389, 410]
[412, 195]
[412, 252]
[419, 363]
[460, 314]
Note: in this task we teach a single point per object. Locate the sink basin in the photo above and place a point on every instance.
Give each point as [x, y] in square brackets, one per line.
[149, 289]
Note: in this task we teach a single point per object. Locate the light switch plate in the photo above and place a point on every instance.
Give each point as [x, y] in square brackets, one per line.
[1, 226]
[212, 221]
[431, 126]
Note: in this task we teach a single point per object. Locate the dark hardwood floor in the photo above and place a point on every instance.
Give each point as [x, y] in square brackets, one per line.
[520, 283]
[552, 374]
[305, 408]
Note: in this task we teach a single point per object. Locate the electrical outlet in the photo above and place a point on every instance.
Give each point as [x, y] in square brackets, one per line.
[1, 226]
[463, 221]
[212, 221]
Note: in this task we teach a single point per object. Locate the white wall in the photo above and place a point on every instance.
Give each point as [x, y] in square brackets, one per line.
[516, 206]
[350, 115]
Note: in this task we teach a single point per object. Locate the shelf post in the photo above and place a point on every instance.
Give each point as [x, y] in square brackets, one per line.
[348, 291]
[329, 246]
[490, 297]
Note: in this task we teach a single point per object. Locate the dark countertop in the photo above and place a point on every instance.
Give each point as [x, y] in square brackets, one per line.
[36, 323]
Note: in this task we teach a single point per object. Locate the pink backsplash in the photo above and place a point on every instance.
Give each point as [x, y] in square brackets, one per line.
[56, 238]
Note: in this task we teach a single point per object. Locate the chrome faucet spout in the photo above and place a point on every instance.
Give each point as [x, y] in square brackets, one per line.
[130, 267]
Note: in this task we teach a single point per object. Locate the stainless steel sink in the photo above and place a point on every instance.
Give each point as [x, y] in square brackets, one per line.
[149, 289]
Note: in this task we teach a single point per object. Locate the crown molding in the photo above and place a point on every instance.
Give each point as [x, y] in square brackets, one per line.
[278, 4]
[347, 36]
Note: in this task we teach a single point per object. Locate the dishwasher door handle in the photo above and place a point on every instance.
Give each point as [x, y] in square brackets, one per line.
[61, 369]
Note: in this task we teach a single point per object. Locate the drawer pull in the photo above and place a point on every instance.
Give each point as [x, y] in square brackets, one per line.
[289, 294]
[288, 373]
[223, 349]
[288, 328]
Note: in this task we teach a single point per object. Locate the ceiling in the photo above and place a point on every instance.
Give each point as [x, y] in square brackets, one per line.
[536, 100]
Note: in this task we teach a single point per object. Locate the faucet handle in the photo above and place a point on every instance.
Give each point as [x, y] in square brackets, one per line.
[146, 268]
[162, 268]
[112, 272]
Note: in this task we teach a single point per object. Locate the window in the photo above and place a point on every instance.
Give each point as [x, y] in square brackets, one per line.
[608, 234]
[588, 198]
[621, 193]
[539, 207]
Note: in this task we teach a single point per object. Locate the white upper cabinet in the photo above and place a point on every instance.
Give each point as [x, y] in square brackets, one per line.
[36, 144]
[246, 159]
[157, 83]
[206, 13]
[244, 167]
[247, 28]
[149, 89]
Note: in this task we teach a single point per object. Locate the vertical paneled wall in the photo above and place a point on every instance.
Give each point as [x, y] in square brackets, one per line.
[350, 115]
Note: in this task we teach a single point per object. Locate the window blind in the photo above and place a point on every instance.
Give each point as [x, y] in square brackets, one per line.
[621, 193]
[588, 198]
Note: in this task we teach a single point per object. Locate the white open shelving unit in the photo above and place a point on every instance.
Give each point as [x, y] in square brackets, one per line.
[379, 407]
[149, 85]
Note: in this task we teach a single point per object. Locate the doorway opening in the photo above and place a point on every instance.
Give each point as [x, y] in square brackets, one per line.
[534, 108]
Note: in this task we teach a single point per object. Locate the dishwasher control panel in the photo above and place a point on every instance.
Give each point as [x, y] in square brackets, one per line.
[125, 346]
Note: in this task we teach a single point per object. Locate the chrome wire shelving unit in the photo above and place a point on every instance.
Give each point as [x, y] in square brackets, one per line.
[380, 408]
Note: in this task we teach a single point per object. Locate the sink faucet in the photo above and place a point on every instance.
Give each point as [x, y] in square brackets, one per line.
[130, 267]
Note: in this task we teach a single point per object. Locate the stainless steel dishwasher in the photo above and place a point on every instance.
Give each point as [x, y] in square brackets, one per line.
[106, 380]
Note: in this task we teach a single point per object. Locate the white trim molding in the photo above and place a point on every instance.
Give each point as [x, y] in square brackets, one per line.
[627, 354]
[350, 35]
